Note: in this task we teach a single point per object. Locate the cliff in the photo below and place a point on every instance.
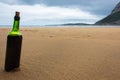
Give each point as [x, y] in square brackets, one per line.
[113, 18]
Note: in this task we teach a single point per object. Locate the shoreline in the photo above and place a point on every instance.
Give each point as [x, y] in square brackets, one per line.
[66, 26]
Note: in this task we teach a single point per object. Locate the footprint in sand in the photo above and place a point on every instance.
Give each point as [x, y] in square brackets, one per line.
[88, 35]
[51, 36]
[82, 36]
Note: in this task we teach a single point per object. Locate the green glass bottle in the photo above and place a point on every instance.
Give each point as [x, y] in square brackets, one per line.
[13, 49]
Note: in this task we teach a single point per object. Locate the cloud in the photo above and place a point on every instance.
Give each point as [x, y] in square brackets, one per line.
[41, 14]
[93, 6]
[11, 2]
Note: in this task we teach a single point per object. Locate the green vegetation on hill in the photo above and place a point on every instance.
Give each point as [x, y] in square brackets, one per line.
[110, 19]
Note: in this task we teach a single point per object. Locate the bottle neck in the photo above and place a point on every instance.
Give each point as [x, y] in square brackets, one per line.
[15, 30]
[16, 23]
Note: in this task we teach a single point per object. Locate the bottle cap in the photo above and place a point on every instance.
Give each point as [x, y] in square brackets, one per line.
[17, 13]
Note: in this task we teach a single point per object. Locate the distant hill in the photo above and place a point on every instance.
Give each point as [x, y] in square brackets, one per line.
[113, 18]
[72, 24]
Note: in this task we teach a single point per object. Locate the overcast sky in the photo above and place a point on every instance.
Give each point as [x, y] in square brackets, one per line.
[44, 12]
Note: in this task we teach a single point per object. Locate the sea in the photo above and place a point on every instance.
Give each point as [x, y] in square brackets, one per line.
[62, 26]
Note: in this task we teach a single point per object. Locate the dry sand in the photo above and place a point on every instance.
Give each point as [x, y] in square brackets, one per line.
[65, 54]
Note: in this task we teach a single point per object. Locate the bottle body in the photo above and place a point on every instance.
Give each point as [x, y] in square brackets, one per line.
[13, 52]
[13, 47]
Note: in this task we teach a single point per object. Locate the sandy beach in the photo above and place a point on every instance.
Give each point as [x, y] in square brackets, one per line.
[65, 54]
